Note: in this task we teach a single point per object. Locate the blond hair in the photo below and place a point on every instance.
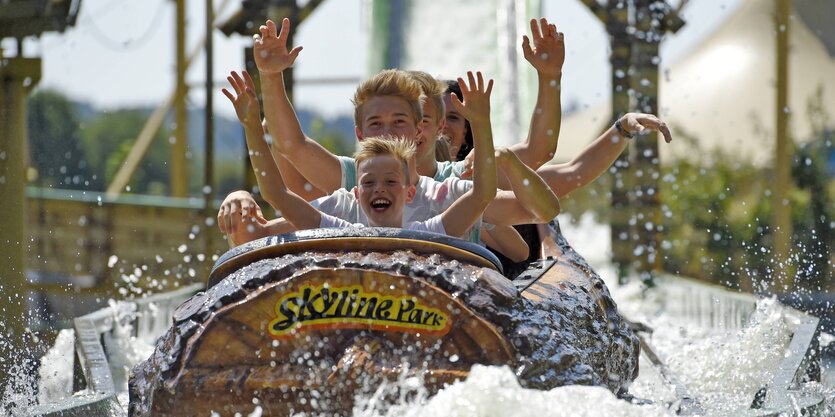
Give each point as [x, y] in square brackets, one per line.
[390, 82]
[401, 149]
[434, 91]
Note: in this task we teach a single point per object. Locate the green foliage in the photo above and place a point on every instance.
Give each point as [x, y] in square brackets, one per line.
[70, 154]
[109, 138]
[331, 139]
[55, 147]
[717, 212]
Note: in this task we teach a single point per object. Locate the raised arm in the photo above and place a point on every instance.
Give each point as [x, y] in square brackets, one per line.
[528, 187]
[465, 211]
[295, 209]
[596, 158]
[547, 56]
[313, 161]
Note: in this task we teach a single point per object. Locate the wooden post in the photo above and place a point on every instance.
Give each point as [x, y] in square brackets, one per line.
[209, 156]
[621, 235]
[615, 16]
[179, 166]
[17, 77]
[646, 170]
[781, 214]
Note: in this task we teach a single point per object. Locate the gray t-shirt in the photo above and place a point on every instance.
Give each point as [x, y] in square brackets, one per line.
[434, 225]
[431, 199]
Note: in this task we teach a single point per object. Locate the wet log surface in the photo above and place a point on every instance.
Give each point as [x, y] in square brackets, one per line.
[220, 354]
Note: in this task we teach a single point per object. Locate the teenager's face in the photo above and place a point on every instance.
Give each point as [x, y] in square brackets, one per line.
[387, 116]
[429, 128]
[454, 128]
[382, 191]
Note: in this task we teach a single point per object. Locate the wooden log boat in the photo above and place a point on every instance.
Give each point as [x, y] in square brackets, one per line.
[306, 321]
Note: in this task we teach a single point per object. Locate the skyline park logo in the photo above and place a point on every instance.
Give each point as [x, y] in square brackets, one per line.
[323, 307]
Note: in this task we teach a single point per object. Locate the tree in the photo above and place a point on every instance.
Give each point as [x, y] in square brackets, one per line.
[108, 140]
[55, 147]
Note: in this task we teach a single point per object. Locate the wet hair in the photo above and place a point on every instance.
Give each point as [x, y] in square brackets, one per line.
[434, 91]
[390, 82]
[401, 149]
[452, 87]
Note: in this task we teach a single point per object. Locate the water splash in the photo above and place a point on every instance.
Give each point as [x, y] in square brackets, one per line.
[494, 391]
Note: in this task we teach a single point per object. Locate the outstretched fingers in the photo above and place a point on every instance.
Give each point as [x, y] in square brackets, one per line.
[248, 82]
[271, 30]
[527, 51]
[535, 33]
[228, 95]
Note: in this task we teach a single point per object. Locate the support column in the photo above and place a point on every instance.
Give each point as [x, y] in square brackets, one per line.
[781, 215]
[179, 165]
[17, 77]
[209, 156]
[646, 163]
[621, 236]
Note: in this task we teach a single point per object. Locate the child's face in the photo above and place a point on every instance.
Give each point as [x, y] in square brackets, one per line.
[382, 191]
[387, 116]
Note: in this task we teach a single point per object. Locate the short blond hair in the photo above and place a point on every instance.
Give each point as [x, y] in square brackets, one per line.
[390, 82]
[434, 91]
[401, 149]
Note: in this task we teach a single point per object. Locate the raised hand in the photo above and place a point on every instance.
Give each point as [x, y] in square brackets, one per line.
[475, 105]
[548, 53]
[640, 122]
[244, 99]
[270, 48]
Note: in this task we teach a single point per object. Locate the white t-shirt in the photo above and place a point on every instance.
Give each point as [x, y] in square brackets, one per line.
[434, 225]
[431, 199]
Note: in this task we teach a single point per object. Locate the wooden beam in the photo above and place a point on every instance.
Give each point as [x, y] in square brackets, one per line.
[781, 214]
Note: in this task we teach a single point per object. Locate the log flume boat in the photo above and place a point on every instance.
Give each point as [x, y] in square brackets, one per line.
[305, 322]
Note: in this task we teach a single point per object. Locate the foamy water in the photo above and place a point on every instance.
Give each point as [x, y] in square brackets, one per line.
[723, 370]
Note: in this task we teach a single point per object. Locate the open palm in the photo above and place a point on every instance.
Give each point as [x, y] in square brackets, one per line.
[547, 55]
[476, 98]
[244, 100]
[270, 48]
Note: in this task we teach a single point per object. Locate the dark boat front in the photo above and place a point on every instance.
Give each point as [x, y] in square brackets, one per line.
[307, 321]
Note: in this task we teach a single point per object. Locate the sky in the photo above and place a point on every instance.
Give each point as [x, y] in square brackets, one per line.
[121, 52]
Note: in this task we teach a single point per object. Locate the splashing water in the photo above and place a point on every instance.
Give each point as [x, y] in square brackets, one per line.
[723, 369]
[494, 391]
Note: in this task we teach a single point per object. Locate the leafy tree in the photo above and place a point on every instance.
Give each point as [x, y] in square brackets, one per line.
[109, 138]
[55, 147]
